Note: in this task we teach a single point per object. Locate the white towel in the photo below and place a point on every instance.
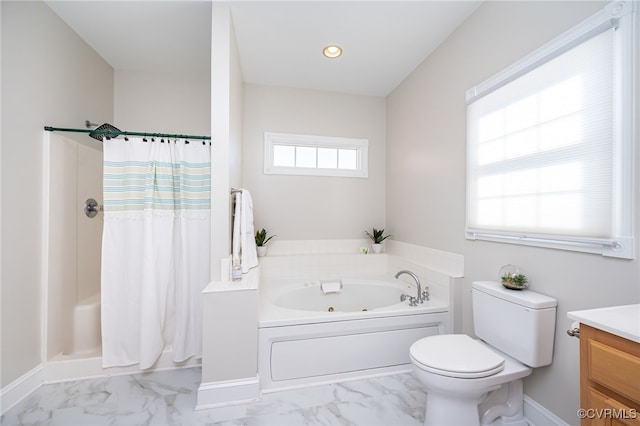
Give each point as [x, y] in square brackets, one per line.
[249, 253]
[235, 239]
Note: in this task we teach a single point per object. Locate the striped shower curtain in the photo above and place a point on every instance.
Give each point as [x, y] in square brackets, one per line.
[155, 249]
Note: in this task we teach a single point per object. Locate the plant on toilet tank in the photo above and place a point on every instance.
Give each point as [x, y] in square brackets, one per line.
[513, 278]
[377, 237]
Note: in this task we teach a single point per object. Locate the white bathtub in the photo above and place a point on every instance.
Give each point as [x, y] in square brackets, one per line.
[355, 296]
[308, 337]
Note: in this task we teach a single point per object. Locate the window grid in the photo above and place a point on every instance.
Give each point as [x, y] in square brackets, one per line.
[315, 155]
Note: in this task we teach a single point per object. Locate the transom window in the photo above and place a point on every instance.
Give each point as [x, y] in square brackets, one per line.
[315, 155]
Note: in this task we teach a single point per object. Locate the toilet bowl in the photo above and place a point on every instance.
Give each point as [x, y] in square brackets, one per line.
[479, 381]
[455, 393]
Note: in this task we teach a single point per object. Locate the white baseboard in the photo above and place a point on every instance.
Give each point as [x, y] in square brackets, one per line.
[21, 388]
[228, 392]
[537, 415]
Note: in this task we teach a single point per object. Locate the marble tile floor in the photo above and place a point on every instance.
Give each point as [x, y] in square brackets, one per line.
[168, 398]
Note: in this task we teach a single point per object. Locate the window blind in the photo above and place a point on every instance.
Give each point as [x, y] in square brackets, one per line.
[545, 157]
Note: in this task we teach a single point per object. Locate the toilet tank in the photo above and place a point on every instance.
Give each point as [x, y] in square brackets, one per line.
[520, 323]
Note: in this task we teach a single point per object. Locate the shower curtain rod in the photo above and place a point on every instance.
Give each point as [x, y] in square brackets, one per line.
[123, 133]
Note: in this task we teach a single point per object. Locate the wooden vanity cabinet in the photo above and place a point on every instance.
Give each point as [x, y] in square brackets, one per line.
[609, 378]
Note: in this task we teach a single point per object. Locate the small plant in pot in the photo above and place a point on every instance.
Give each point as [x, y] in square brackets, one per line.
[377, 237]
[261, 241]
[512, 278]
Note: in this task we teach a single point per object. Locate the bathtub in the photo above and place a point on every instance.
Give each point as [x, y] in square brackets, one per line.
[307, 337]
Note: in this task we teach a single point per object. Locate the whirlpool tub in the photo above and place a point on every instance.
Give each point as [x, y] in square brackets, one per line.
[309, 337]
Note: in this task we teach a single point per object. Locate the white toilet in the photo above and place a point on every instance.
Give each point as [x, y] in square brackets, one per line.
[473, 382]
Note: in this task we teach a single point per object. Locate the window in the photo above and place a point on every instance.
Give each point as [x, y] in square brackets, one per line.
[315, 155]
[549, 143]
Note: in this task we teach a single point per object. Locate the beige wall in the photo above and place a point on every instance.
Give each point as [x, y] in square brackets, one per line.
[222, 362]
[161, 103]
[236, 94]
[49, 77]
[226, 130]
[311, 207]
[425, 198]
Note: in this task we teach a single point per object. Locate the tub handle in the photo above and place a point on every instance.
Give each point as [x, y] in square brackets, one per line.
[425, 294]
[412, 300]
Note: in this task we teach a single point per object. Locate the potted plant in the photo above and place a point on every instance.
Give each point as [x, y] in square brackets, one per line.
[261, 241]
[512, 278]
[377, 237]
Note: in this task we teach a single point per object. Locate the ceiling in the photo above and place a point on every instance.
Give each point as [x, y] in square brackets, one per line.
[279, 42]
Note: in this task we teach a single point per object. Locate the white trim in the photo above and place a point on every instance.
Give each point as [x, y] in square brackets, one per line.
[21, 388]
[601, 21]
[360, 145]
[537, 415]
[228, 392]
[44, 258]
[622, 247]
[626, 126]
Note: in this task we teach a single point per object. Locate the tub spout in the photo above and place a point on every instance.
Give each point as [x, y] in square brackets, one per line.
[422, 296]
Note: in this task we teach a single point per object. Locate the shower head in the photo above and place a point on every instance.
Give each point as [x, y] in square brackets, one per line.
[103, 127]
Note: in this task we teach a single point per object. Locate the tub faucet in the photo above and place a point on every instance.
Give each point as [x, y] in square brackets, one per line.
[421, 297]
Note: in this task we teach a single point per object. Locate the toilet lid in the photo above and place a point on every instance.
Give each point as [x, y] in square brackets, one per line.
[456, 355]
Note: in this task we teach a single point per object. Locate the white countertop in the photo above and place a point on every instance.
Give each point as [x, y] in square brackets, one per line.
[623, 321]
[249, 281]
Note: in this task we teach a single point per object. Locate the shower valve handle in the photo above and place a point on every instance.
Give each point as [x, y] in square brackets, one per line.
[91, 207]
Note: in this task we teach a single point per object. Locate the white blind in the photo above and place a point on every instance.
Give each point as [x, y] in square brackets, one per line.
[540, 148]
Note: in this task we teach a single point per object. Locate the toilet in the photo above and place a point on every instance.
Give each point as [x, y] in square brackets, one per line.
[473, 382]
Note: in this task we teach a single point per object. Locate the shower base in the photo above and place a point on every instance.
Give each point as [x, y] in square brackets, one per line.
[64, 368]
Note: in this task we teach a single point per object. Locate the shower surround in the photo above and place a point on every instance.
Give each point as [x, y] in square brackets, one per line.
[73, 173]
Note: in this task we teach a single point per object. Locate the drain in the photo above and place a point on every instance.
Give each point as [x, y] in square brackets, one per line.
[364, 309]
[330, 309]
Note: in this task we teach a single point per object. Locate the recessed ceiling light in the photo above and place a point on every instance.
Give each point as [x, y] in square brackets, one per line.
[332, 51]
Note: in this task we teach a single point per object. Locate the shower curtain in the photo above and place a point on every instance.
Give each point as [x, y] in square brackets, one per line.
[155, 249]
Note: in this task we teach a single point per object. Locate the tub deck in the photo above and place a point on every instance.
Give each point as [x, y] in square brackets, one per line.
[271, 315]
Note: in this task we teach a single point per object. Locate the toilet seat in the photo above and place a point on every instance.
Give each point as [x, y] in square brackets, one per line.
[455, 355]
